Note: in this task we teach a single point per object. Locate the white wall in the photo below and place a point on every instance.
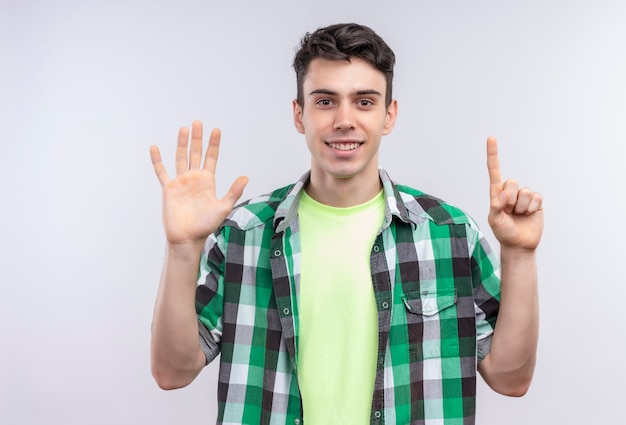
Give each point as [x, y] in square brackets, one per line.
[86, 87]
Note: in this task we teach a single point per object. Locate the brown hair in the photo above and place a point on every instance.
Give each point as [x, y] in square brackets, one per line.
[343, 42]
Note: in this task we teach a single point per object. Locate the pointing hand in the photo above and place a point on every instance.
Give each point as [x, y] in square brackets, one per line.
[515, 215]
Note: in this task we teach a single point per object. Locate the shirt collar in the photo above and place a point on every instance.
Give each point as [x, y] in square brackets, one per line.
[395, 205]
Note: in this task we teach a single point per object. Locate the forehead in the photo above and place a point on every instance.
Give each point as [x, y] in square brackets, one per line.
[341, 75]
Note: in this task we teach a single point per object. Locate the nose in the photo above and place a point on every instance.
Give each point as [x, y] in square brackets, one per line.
[344, 117]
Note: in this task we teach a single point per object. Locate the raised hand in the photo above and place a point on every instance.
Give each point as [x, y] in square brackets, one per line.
[515, 215]
[191, 210]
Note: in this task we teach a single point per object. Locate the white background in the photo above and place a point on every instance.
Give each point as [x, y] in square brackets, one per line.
[87, 86]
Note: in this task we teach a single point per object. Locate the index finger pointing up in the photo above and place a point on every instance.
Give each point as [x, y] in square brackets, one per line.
[493, 166]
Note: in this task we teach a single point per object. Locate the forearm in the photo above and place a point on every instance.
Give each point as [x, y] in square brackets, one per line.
[509, 366]
[175, 350]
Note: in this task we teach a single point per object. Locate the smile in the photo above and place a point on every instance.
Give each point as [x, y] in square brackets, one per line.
[344, 146]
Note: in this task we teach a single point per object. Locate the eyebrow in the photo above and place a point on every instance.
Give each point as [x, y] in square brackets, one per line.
[368, 92]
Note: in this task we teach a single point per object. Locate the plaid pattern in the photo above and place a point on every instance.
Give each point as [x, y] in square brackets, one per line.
[436, 287]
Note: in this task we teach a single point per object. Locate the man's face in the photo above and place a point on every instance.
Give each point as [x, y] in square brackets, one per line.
[343, 118]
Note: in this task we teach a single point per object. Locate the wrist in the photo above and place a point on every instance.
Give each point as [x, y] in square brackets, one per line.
[519, 257]
[189, 250]
[517, 251]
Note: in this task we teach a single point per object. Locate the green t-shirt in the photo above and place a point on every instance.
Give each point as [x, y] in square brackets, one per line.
[338, 341]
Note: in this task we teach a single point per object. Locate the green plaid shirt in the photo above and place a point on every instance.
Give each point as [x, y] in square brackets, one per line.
[436, 286]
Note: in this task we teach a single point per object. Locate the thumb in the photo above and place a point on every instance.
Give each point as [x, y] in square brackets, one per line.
[236, 190]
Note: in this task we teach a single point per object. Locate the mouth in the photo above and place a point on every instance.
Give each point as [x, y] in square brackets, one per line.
[344, 146]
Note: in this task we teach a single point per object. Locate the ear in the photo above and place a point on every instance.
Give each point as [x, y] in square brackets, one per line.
[297, 116]
[390, 119]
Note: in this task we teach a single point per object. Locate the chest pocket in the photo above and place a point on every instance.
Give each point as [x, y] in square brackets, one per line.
[432, 324]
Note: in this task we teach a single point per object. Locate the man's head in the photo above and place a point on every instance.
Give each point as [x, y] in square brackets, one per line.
[344, 42]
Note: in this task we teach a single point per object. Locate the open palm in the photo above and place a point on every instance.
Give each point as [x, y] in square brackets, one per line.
[191, 209]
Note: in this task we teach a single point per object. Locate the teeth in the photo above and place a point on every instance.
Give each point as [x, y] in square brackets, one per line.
[344, 146]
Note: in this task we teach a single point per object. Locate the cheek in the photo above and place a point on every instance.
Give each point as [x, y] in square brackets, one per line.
[314, 123]
[311, 144]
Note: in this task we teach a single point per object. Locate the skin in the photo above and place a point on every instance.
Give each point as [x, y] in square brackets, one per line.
[343, 118]
[191, 212]
[344, 105]
[516, 219]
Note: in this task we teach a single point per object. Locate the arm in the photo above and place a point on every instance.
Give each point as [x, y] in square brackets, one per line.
[191, 212]
[516, 218]
[176, 355]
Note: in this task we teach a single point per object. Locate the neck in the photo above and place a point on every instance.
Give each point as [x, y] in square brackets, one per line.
[343, 192]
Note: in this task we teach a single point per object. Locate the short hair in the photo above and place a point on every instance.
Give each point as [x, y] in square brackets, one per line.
[343, 42]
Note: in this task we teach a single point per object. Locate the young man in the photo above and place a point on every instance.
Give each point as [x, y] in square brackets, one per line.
[344, 298]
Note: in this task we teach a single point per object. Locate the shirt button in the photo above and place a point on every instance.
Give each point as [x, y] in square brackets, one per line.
[286, 311]
[277, 253]
[376, 248]
[297, 421]
[385, 305]
[377, 414]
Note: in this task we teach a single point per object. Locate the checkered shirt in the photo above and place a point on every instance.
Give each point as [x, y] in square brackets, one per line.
[436, 287]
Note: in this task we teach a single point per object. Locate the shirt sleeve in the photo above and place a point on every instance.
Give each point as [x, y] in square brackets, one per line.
[210, 297]
[486, 278]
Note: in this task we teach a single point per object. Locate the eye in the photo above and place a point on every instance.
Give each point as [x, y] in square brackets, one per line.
[324, 102]
[365, 103]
